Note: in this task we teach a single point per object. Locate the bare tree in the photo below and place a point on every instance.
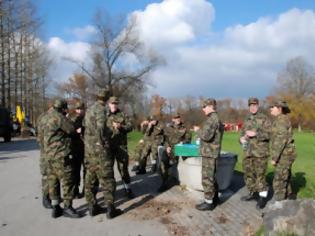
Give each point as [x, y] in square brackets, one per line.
[119, 59]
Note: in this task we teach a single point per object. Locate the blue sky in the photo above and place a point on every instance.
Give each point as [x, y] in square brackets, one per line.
[60, 15]
[215, 48]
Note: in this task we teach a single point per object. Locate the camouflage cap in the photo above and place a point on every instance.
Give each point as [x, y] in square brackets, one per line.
[283, 104]
[60, 104]
[209, 102]
[113, 100]
[79, 105]
[176, 115]
[253, 100]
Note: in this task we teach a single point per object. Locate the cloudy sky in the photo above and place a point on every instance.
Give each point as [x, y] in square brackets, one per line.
[216, 48]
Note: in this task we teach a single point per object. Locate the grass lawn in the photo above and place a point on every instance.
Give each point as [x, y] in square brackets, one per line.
[303, 174]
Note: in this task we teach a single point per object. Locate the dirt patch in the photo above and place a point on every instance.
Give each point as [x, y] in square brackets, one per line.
[154, 209]
[174, 228]
[222, 219]
[248, 229]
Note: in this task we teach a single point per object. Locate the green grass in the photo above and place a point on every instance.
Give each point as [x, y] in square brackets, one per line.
[303, 170]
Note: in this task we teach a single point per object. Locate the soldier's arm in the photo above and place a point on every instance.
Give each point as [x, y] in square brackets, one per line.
[279, 141]
[101, 126]
[67, 126]
[188, 136]
[207, 132]
[263, 133]
[127, 126]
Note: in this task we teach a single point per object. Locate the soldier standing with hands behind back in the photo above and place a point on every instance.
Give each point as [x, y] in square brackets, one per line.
[254, 138]
[283, 151]
[210, 135]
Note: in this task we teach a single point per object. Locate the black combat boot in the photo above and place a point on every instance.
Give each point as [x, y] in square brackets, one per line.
[141, 171]
[216, 198]
[153, 168]
[261, 203]
[112, 211]
[56, 211]
[206, 206]
[46, 202]
[95, 209]
[249, 197]
[129, 193]
[70, 212]
[135, 168]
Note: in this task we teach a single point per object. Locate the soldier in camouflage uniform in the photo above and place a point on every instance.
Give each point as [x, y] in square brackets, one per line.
[154, 138]
[210, 135]
[174, 134]
[57, 131]
[43, 160]
[283, 151]
[140, 146]
[120, 125]
[98, 160]
[77, 146]
[254, 138]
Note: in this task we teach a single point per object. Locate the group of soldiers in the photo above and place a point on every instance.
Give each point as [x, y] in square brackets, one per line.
[257, 137]
[94, 138]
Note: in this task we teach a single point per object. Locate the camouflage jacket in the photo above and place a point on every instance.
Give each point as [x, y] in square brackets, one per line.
[176, 134]
[210, 135]
[96, 133]
[119, 136]
[155, 133]
[282, 142]
[77, 138]
[40, 130]
[257, 146]
[57, 131]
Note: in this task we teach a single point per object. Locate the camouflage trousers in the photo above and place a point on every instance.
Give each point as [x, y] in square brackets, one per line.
[60, 171]
[99, 168]
[282, 178]
[255, 169]
[43, 165]
[120, 154]
[208, 177]
[165, 162]
[150, 148]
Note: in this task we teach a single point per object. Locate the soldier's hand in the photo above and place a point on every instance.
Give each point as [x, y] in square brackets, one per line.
[168, 150]
[116, 125]
[243, 139]
[141, 141]
[196, 128]
[250, 133]
[79, 130]
[273, 163]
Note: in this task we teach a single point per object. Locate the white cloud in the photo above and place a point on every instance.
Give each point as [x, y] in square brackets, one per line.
[243, 62]
[83, 33]
[60, 50]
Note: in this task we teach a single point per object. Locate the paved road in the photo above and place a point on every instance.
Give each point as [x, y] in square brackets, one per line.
[150, 213]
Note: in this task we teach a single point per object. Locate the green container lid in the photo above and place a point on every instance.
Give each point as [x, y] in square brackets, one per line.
[187, 150]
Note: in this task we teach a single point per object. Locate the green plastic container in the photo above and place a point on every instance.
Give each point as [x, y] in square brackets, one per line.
[187, 150]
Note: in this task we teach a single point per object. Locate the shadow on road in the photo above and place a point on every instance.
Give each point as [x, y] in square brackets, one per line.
[18, 145]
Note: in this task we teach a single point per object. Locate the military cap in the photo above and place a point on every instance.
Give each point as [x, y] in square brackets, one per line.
[78, 105]
[103, 93]
[176, 115]
[283, 104]
[60, 104]
[209, 102]
[153, 117]
[114, 100]
[253, 100]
